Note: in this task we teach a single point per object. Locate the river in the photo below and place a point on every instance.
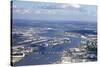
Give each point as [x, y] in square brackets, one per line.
[49, 54]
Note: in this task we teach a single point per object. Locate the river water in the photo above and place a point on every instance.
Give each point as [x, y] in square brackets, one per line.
[49, 54]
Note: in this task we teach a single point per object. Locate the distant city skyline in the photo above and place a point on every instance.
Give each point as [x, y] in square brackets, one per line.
[54, 11]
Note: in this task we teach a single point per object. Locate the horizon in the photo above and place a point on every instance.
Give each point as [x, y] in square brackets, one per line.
[57, 21]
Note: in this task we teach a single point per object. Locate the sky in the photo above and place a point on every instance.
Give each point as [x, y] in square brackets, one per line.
[32, 10]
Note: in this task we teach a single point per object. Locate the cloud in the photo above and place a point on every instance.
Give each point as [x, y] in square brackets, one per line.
[51, 12]
[49, 8]
[26, 11]
[37, 12]
[55, 6]
[22, 11]
[33, 11]
[75, 5]
[65, 6]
